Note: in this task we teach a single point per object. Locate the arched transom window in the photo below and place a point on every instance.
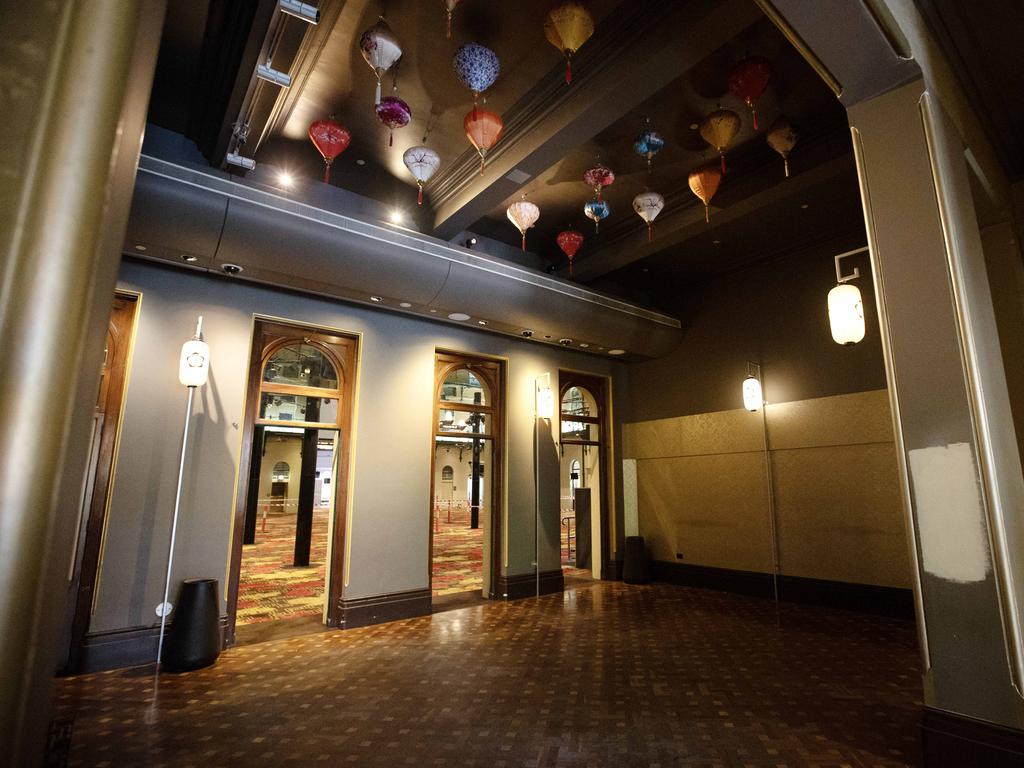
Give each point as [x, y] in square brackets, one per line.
[300, 385]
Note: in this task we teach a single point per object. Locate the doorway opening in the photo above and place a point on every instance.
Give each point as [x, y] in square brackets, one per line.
[584, 518]
[99, 474]
[465, 490]
[286, 568]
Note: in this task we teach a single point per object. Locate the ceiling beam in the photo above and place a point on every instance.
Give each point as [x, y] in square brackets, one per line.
[683, 217]
[636, 52]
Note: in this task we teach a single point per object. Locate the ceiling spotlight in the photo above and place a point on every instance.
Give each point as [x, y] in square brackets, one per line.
[804, 206]
[376, 299]
[231, 269]
[616, 352]
[140, 248]
[189, 258]
[565, 342]
[471, 242]
[526, 333]
[233, 158]
[271, 75]
[458, 316]
[308, 13]
[584, 345]
[433, 311]
[360, 161]
[285, 179]
[716, 242]
[405, 305]
[694, 126]
[481, 322]
[396, 216]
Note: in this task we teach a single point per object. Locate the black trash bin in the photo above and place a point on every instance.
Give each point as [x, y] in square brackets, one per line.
[193, 640]
[635, 568]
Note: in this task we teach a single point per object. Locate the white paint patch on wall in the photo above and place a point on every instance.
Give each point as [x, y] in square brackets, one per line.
[954, 545]
[630, 505]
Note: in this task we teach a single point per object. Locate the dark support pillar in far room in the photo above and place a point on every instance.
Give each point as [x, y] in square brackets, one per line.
[307, 487]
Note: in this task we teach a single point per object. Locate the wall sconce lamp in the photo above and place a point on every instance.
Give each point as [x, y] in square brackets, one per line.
[545, 398]
[753, 397]
[193, 372]
[845, 306]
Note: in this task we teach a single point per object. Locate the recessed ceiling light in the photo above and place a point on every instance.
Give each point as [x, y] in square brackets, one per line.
[396, 217]
[433, 311]
[616, 351]
[547, 336]
[377, 299]
[360, 161]
[285, 179]
[716, 242]
[189, 258]
[405, 305]
[804, 206]
[646, 269]
[458, 316]
[140, 247]
[694, 126]
[584, 345]
[481, 322]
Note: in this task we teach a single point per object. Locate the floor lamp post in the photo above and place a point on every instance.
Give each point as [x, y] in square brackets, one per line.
[753, 400]
[193, 371]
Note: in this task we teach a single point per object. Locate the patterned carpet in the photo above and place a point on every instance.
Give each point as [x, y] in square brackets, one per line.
[613, 675]
[458, 557]
[270, 588]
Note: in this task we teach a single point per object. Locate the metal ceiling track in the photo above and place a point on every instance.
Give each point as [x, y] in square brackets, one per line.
[199, 218]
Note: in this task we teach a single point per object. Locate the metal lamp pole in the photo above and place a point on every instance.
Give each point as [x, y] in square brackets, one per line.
[192, 372]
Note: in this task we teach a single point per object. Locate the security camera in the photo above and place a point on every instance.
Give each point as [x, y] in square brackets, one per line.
[565, 342]
[231, 269]
[527, 333]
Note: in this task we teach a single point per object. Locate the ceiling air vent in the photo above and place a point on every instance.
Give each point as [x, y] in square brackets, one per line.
[517, 176]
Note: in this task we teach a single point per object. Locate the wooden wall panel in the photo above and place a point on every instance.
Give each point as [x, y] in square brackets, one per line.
[702, 491]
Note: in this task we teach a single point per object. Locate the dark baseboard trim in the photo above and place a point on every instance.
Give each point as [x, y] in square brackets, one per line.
[135, 647]
[525, 585]
[866, 598]
[377, 609]
[955, 741]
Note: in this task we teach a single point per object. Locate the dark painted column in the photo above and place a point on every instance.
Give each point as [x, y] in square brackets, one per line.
[253, 497]
[307, 486]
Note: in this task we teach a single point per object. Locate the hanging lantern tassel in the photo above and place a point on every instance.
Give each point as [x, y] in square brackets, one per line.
[327, 172]
[568, 68]
[419, 196]
[449, 31]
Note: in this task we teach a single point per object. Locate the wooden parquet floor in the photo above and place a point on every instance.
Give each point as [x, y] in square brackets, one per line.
[611, 675]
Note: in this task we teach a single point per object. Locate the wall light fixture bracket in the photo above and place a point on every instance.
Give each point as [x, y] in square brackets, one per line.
[840, 277]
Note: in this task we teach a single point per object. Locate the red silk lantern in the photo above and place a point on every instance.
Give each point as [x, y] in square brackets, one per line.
[483, 129]
[330, 140]
[748, 80]
[569, 241]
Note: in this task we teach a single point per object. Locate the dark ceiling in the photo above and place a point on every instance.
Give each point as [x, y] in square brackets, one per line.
[666, 62]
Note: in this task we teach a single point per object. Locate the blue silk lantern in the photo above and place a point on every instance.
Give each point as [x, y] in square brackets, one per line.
[477, 68]
[648, 144]
[597, 210]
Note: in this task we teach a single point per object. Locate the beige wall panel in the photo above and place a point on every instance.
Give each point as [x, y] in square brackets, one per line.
[712, 509]
[862, 417]
[735, 431]
[839, 514]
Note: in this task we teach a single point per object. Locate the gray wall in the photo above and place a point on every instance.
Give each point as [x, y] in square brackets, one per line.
[773, 313]
[390, 503]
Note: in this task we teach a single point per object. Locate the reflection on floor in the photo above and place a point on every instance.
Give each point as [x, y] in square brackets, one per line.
[270, 588]
[611, 675]
[458, 557]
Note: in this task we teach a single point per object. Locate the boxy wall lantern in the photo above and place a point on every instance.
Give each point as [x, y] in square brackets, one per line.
[193, 372]
[753, 397]
[845, 306]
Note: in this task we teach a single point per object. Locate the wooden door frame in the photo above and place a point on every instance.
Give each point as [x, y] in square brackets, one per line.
[493, 372]
[106, 440]
[269, 335]
[599, 387]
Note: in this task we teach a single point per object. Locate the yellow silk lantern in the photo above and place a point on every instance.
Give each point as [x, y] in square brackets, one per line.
[719, 129]
[567, 27]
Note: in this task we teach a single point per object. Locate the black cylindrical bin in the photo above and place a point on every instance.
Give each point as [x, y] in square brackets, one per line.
[635, 568]
[193, 640]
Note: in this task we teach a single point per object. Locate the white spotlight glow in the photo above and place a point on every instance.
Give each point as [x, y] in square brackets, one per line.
[285, 179]
[396, 217]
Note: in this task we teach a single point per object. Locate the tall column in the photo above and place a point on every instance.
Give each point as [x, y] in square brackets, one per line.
[78, 77]
[954, 429]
